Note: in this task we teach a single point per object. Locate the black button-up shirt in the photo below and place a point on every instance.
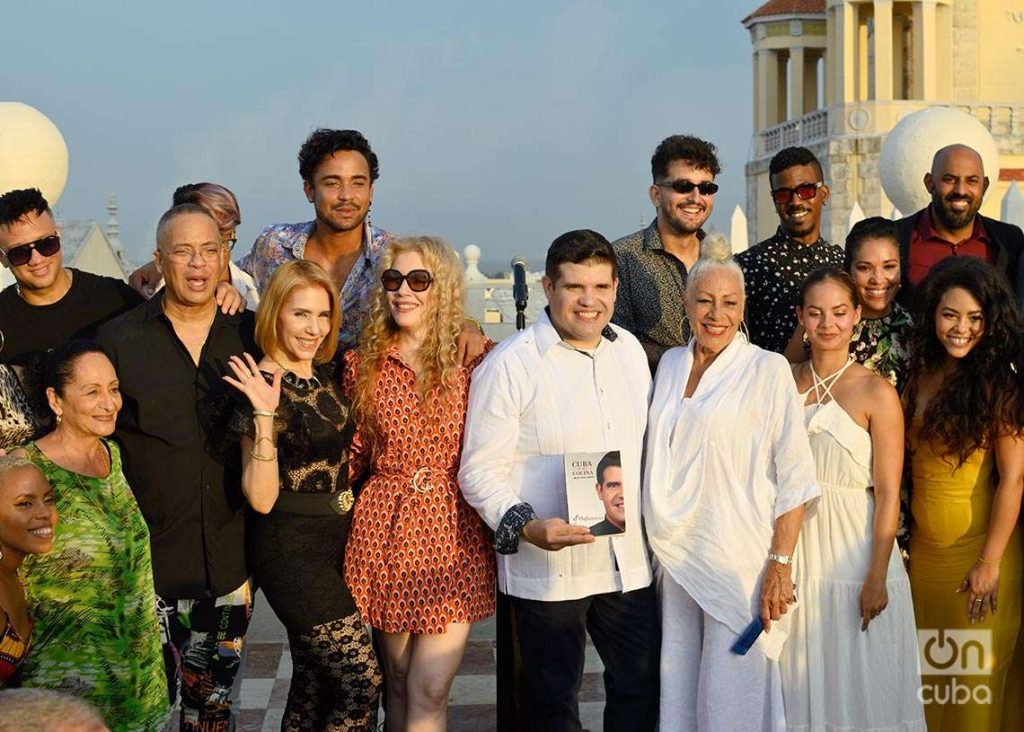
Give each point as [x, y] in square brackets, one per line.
[182, 466]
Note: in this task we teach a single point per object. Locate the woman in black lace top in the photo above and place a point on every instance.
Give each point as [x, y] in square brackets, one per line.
[295, 433]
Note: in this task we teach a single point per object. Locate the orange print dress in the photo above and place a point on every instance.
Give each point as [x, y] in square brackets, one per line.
[418, 557]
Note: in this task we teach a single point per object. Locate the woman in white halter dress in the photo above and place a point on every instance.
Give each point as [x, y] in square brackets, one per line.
[852, 659]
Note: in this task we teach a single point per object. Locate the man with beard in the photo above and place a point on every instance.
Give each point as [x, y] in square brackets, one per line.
[653, 262]
[951, 225]
[774, 269]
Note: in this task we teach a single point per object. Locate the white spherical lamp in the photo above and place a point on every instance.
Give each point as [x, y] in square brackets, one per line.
[32, 152]
[909, 147]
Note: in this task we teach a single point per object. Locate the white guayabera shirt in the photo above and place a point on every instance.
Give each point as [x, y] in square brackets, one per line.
[533, 399]
[722, 465]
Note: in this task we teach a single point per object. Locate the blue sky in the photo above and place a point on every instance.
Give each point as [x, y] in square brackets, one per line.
[501, 125]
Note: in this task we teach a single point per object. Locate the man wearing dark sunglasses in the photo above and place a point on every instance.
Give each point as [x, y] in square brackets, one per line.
[653, 262]
[48, 302]
[774, 269]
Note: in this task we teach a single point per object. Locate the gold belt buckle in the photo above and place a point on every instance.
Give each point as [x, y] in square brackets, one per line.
[426, 487]
[343, 501]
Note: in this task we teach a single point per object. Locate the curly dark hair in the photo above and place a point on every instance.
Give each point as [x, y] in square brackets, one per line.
[699, 153]
[324, 142]
[981, 398]
[791, 157]
[15, 205]
[874, 227]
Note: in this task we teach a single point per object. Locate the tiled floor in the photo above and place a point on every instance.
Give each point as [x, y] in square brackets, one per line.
[266, 673]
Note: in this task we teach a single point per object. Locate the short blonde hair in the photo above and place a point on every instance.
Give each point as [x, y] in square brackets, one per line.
[286, 278]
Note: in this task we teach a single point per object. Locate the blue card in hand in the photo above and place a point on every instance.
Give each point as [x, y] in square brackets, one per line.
[748, 637]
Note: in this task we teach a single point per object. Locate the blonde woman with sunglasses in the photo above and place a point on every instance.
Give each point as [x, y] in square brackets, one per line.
[419, 560]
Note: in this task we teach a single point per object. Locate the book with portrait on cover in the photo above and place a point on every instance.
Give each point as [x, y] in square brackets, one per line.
[594, 491]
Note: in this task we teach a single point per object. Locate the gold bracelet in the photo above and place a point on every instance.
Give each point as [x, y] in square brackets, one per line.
[982, 560]
[476, 322]
[263, 413]
[258, 440]
[263, 458]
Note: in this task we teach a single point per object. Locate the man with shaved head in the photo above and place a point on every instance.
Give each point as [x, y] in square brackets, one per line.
[183, 466]
[951, 225]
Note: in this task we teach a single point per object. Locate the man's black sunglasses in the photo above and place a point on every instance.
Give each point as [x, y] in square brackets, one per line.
[418, 279]
[47, 247]
[706, 188]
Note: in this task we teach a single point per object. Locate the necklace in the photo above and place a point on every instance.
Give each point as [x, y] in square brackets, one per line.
[299, 382]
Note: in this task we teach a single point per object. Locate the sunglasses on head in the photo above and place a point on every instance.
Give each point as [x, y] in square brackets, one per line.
[804, 191]
[47, 247]
[706, 188]
[418, 279]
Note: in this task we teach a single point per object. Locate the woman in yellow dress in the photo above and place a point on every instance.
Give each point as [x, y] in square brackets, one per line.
[967, 469]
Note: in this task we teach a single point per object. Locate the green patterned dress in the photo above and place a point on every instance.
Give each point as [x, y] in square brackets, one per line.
[96, 632]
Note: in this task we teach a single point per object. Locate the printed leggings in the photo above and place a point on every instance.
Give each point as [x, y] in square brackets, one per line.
[202, 642]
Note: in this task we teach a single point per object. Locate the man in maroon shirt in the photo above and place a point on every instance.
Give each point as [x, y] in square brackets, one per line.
[951, 225]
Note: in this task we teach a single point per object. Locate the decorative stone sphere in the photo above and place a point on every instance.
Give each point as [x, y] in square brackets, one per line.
[909, 147]
[471, 252]
[32, 152]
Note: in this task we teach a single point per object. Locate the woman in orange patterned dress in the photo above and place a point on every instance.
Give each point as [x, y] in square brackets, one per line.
[419, 561]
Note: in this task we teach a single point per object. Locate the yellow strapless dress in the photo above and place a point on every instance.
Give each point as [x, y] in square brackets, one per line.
[951, 509]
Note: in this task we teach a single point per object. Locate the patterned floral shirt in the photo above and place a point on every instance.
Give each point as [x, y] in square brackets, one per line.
[773, 271]
[649, 303]
[881, 345]
[280, 243]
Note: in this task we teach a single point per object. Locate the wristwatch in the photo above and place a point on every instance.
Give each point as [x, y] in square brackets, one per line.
[780, 558]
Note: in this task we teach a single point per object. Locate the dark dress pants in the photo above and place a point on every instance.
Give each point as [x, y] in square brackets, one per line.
[626, 631]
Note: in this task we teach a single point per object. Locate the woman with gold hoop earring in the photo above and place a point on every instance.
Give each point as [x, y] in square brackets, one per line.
[419, 562]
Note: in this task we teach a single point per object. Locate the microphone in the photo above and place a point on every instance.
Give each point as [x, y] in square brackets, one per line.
[520, 292]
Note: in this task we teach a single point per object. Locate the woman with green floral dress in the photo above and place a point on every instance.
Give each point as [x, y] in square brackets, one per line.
[880, 339]
[96, 633]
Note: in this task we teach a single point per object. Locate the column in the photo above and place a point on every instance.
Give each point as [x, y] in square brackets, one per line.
[768, 86]
[925, 76]
[831, 51]
[811, 102]
[846, 62]
[796, 83]
[758, 94]
[883, 50]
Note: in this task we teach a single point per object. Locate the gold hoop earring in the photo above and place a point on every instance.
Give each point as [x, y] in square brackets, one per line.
[745, 330]
[57, 418]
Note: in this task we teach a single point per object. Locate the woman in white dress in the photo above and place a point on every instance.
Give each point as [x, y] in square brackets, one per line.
[729, 473]
[851, 660]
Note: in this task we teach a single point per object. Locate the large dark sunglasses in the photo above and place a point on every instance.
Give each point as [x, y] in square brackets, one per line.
[418, 279]
[707, 188]
[47, 247]
[804, 191]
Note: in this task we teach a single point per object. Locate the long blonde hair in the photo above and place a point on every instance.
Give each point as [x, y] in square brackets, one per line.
[438, 378]
[287, 277]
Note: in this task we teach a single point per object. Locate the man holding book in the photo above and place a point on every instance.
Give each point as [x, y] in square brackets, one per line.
[570, 383]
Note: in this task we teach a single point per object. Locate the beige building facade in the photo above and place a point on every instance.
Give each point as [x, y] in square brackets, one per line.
[835, 76]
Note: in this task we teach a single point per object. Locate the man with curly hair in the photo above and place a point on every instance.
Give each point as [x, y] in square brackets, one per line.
[653, 262]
